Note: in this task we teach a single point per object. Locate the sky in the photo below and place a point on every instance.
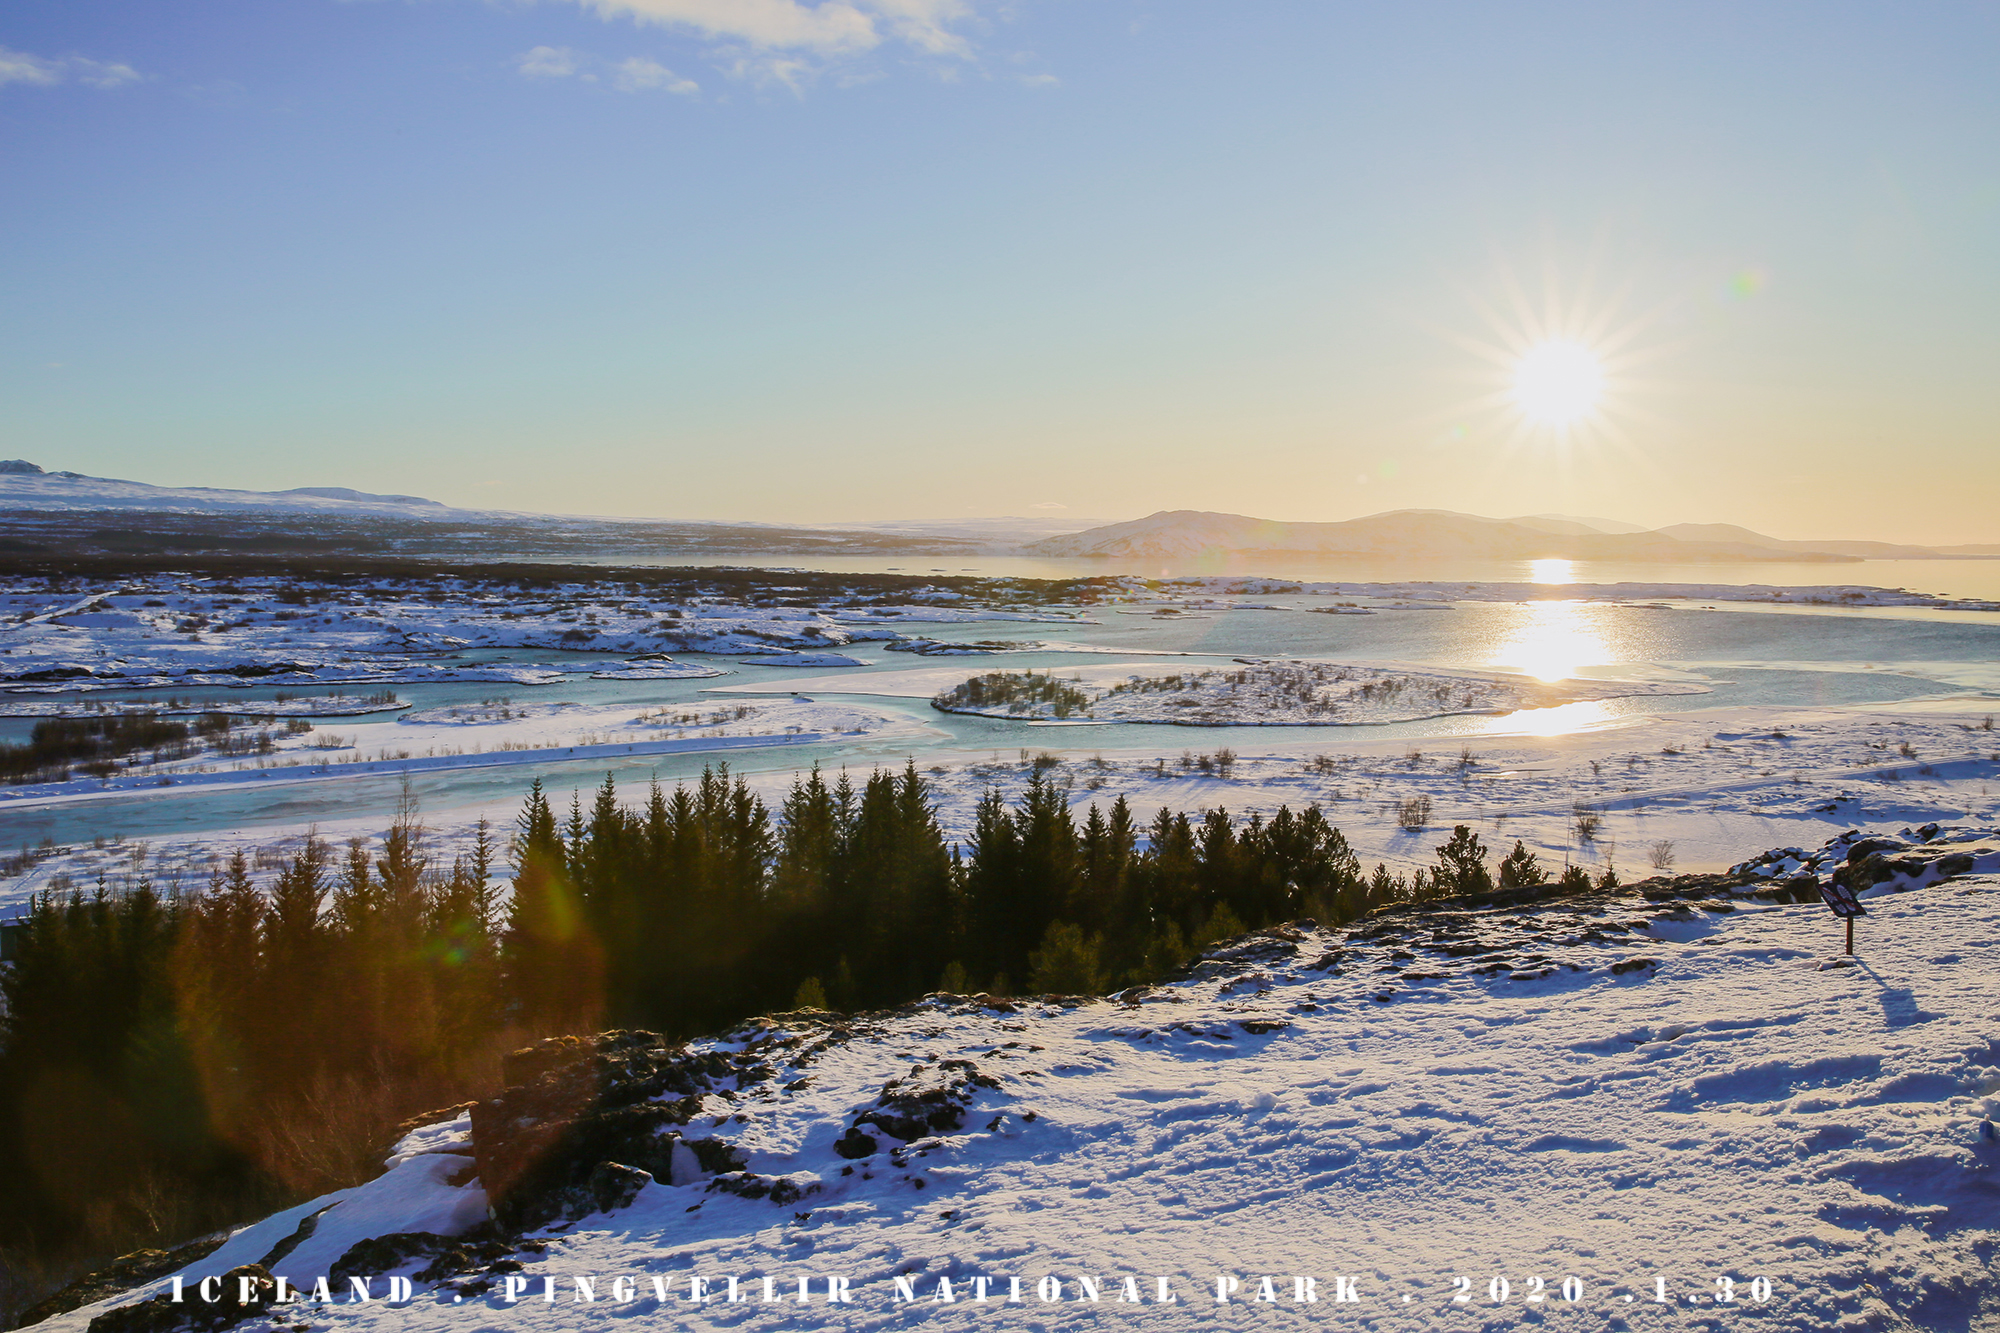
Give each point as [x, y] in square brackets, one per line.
[848, 260]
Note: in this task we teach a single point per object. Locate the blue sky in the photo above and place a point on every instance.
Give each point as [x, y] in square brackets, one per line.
[810, 260]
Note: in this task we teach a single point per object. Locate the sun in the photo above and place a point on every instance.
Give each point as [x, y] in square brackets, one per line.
[1558, 383]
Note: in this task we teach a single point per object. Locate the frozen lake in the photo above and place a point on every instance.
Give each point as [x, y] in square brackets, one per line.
[1747, 655]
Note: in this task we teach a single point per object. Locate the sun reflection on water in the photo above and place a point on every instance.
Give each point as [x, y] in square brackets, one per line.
[1557, 721]
[1551, 571]
[1552, 641]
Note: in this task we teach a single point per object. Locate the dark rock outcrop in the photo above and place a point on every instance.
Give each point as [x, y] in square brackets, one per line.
[162, 1314]
[122, 1274]
[580, 1106]
[931, 1099]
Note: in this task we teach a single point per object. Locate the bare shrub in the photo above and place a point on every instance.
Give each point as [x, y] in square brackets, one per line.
[1413, 812]
[1661, 854]
[1587, 822]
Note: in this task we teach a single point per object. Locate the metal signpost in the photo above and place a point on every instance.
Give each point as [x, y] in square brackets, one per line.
[1841, 900]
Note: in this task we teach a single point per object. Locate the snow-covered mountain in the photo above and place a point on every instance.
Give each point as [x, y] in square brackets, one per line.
[1581, 1109]
[24, 485]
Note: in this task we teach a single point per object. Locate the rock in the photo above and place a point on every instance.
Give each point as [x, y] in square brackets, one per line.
[385, 1254]
[618, 1099]
[162, 1315]
[749, 1185]
[121, 1274]
[450, 1256]
[930, 1099]
[856, 1144]
[614, 1185]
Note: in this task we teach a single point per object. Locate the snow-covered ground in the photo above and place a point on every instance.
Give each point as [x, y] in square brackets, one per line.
[1276, 694]
[185, 631]
[496, 732]
[1697, 791]
[1608, 1112]
[310, 705]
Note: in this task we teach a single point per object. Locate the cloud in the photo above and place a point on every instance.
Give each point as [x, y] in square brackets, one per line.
[103, 74]
[633, 75]
[548, 62]
[826, 28]
[639, 74]
[21, 67]
[1049, 504]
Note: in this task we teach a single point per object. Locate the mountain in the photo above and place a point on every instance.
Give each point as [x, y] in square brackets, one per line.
[1860, 550]
[44, 513]
[1400, 534]
[1430, 534]
[64, 516]
[1575, 525]
[345, 493]
[25, 485]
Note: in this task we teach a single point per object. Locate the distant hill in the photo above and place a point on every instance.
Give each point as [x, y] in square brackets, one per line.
[1434, 533]
[1575, 525]
[1859, 550]
[55, 517]
[25, 485]
[55, 512]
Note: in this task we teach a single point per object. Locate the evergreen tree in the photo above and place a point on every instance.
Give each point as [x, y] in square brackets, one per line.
[1067, 963]
[554, 968]
[1461, 866]
[993, 900]
[1519, 870]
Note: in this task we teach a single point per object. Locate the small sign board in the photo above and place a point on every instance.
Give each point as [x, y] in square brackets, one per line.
[1841, 900]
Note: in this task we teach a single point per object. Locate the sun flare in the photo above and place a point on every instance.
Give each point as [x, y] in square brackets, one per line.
[1558, 383]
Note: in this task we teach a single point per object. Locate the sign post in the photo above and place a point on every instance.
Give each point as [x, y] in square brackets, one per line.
[1841, 900]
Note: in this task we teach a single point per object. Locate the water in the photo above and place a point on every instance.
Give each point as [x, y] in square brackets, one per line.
[1748, 657]
[1978, 579]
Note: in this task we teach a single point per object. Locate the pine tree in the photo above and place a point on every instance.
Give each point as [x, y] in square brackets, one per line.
[1519, 870]
[993, 903]
[1461, 867]
[1067, 963]
[553, 965]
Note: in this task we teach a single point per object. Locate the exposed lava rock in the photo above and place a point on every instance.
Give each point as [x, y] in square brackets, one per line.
[583, 1105]
[121, 1274]
[856, 1144]
[931, 1099]
[162, 1315]
[749, 1185]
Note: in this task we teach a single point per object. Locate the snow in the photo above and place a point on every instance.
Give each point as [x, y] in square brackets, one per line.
[641, 670]
[318, 705]
[497, 733]
[38, 490]
[1711, 785]
[802, 660]
[1299, 692]
[174, 630]
[1606, 1089]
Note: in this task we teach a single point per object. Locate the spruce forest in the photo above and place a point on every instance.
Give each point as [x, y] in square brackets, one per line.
[177, 1063]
